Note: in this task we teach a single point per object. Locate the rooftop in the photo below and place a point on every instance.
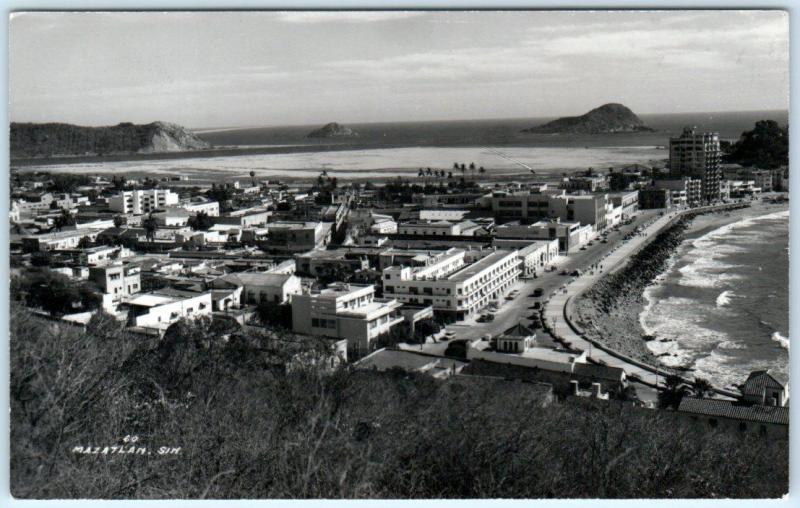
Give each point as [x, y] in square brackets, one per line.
[478, 266]
[730, 409]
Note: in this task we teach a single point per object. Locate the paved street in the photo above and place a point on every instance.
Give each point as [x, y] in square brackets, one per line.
[511, 312]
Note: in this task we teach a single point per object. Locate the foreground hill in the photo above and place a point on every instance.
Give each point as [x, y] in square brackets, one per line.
[61, 139]
[333, 130]
[606, 118]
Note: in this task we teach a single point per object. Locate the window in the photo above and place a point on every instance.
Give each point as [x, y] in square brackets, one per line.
[315, 322]
[712, 422]
[742, 426]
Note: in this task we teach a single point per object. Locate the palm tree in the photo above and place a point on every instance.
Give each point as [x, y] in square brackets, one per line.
[482, 170]
[674, 390]
[449, 175]
[253, 178]
[455, 166]
[701, 388]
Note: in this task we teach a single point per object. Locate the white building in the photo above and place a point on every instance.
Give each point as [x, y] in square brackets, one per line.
[62, 240]
[451, 285]
[437, 228]
[275, 288]
[345, 311]
[159, 309]
[210, 208]
[142, 201]
[118, 281]
[570, 235]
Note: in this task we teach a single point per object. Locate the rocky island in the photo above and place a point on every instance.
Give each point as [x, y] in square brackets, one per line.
[608, 118]
[332, 130]
[62, 139]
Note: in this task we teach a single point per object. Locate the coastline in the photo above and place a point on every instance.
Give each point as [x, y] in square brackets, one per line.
[616, 319]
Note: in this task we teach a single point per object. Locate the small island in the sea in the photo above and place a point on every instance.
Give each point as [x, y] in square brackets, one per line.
[63, 139]
[332, 130]
[608, 118]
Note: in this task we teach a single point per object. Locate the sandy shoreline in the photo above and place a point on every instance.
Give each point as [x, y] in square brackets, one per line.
[617, 324]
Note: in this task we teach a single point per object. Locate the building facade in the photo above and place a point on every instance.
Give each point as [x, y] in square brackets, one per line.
[142, 201]
[697, 155]
[451, 285]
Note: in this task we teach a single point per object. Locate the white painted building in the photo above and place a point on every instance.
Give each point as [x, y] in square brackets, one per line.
[159, 309]
[142, 201]
[451, 285]
[345, 311]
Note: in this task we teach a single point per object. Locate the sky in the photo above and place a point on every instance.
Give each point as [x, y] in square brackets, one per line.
[220, 69]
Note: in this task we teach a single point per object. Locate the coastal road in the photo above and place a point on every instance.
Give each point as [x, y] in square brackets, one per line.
[555, 309]
[519, 309]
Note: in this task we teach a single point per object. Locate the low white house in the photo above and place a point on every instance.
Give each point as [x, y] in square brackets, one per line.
[159, 309]
[261, 287]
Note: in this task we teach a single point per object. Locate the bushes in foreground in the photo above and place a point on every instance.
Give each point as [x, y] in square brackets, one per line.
[247, 428]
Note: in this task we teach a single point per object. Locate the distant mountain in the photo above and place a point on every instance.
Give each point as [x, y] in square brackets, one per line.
[333, 130]
[61, 139]
[607, 118]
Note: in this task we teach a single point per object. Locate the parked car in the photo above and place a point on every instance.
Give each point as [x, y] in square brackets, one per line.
[538, 292]
[489, 317]
[576, 273]
[537, 305]
[564, 272]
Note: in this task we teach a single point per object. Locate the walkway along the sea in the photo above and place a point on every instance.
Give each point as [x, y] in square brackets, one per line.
[558, 309]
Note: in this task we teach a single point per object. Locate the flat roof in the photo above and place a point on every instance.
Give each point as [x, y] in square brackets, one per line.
[478, 266]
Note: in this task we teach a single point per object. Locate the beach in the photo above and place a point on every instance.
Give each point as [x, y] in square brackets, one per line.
[380, 163]
[648, 319]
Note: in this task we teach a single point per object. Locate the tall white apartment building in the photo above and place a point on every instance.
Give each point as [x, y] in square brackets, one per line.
[698, 155]
[345, 311]
[450, 284]
[142, 201]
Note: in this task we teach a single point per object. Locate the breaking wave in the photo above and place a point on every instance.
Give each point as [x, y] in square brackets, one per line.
[724, 298]
[780, 339]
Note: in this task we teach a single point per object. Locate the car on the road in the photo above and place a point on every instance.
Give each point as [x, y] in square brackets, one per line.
[583, 247]
[538, 292]
[536, 305]
[575, 273]
[481, 318]
[564, 272]
[490, 317]
[605, 241]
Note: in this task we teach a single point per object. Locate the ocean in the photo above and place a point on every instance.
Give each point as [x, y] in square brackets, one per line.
[498, 132]
[386, 150]
[722, 306]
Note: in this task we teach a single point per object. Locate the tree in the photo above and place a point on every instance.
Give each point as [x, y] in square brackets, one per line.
[253, 178]
[275, 315]
[482, 170]
[63, 220]
[84, 243]
[701, 388]
[150, 226]
[765, 146]
[119, 221]
[673, 392]
[200, 221]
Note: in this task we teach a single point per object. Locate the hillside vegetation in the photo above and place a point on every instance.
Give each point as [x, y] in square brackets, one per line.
[61, 139]
[249, 428]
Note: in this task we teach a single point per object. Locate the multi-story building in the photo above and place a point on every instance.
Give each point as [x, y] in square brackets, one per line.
[683, 191]
[437, 228]
[589, 183]
[297, 236]
[652, 198]
[345, 311]
[117, 280]
[763, 178]
[628, 201]
[258, 287]
[451, 285]
[571, 235]
[529, 206]
[142, 201]
[697, 155]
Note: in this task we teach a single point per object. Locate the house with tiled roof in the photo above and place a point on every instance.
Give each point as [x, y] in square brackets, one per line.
[737, 415]
[761, 388]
